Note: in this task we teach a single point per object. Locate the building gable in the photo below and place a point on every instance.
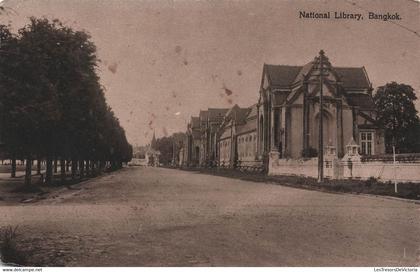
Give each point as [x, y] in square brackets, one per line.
[328, 90]
[265, 83]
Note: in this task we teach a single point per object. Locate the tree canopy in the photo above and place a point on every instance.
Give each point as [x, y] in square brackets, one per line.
[170, 147]
[52, 102]
[398, 116]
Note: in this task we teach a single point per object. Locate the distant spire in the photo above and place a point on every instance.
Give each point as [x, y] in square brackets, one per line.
[153, 143]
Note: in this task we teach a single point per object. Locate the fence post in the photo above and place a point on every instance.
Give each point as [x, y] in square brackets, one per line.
[394, 165]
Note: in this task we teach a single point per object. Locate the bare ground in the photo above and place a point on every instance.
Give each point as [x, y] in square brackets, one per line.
[165, 217]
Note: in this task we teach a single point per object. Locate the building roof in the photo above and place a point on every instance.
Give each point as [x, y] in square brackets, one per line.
[353, 77]
[250, 125]
[280, 97]
[241, 115]
[362, 100]
[237, 113]
[285, 75]
[281, 75]
[195, 122]
[231, 110]
[216, 114]
[252, 111]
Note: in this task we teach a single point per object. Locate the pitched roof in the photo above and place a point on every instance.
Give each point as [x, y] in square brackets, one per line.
[216, 114]
[353, 77]
[237, 113]
[281, 75]
[241, 115]
[285, 75]
[362, 100]
[250, 125]
[280, 97]
[195, 122]
[230, 111]
[252, 111]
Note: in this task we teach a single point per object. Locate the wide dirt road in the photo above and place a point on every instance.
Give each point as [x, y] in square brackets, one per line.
[163, 217]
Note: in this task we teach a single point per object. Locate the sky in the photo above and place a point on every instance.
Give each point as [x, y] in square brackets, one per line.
[163, 61]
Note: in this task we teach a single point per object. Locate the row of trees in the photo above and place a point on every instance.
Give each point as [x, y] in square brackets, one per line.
[52, 104]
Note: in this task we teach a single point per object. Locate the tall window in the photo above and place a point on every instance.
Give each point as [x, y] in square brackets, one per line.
[254, 150]
[367, 143]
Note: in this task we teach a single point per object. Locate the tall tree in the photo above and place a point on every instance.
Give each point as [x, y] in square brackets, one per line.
[398, 115]
[8, 61]
[54, 104]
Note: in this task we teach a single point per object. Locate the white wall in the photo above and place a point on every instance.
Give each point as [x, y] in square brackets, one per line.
[306, 168]
[383, 171]
[247, 146]
[224, 151]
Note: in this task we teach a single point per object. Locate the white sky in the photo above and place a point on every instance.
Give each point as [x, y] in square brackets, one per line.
[163, 61]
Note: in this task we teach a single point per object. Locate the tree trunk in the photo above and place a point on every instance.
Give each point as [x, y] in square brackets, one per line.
[81, 168]
[62, 170]
[92, 168]
[73, 169]
[38, 166]
[67, 165]
[87, 168]
[13, 173]
[101, 166]
[55, 166]
[28, 171]
[49, 170]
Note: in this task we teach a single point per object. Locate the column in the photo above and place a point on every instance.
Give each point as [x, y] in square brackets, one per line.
[355, 129]
[286, 130]
[272, 131]
[340, 149]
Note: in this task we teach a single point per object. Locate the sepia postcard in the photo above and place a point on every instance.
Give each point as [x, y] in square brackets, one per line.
[210, 133]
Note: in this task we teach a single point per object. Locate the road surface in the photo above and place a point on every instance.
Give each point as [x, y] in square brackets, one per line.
[164, 217]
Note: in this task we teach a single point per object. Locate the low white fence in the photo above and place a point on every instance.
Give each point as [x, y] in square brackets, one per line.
[306, 168]
[401, 171]
[341, 169]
